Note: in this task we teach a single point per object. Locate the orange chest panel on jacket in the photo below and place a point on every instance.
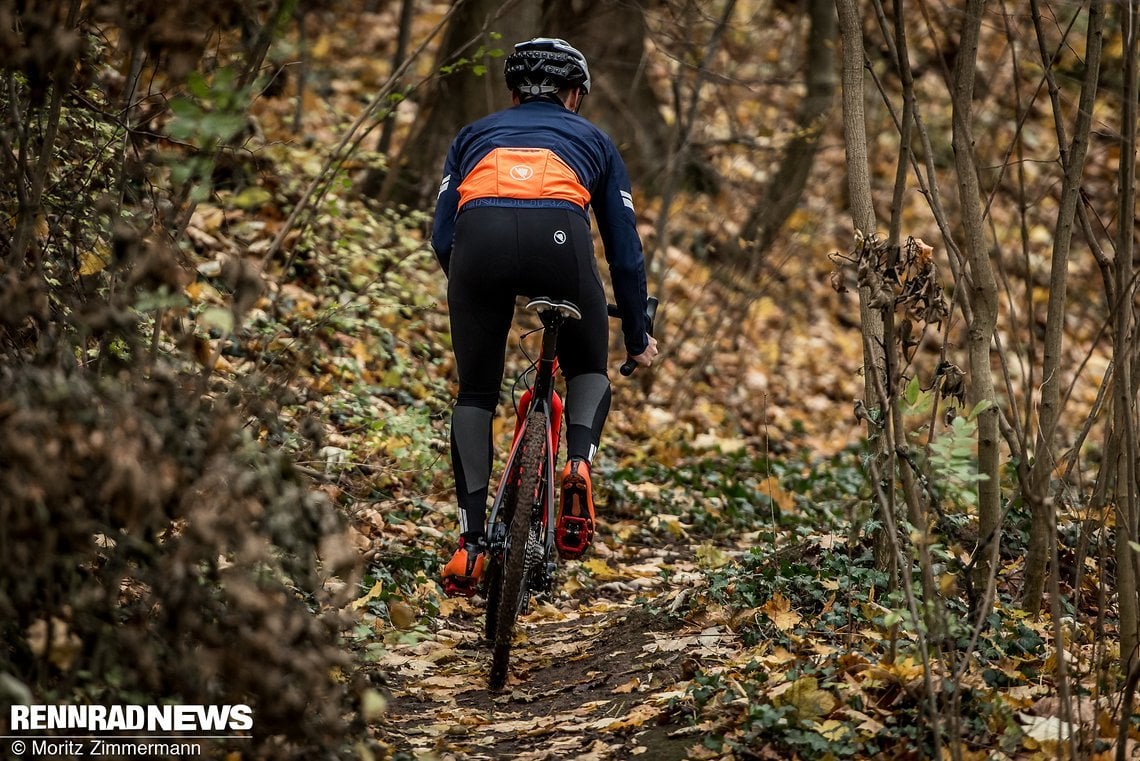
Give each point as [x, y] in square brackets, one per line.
[522, 173]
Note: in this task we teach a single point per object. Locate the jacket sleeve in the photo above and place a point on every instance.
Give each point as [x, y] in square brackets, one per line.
[617, 223]
[446, 207]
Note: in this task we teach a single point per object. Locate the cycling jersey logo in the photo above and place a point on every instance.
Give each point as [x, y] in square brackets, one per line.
[522, 172]
[559, 237]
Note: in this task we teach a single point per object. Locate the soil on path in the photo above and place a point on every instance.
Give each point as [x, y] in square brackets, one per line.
[594, 674]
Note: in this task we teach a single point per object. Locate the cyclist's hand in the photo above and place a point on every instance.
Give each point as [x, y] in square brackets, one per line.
[645, 358]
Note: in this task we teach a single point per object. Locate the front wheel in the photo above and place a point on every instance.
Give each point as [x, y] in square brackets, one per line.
[505, 602]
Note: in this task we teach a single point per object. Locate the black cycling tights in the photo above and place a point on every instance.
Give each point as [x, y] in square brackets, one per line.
[499, 254]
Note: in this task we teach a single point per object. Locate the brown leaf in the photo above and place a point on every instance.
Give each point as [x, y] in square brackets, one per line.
[403, 616]
[779, 609]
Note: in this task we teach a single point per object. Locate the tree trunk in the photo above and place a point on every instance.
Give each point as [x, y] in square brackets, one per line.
[460, 96]
[611, 33]
[982, 292]
[783, 193]
[863, 218]
[407, 8]
[1049, 410]
[1128, 512]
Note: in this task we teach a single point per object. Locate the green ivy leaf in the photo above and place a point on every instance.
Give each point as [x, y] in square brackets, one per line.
[979, 408]
[912, 391]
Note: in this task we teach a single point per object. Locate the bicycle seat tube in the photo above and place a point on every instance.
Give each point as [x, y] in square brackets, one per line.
[544, 381]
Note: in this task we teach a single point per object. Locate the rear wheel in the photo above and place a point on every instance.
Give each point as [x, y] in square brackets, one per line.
[495, 560]
[508, 592]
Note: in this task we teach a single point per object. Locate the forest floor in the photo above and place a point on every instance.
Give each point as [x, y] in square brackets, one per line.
[593, 676]
[730, 607]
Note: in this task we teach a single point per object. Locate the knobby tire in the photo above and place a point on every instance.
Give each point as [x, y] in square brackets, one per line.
[494, 564]
[512, 573]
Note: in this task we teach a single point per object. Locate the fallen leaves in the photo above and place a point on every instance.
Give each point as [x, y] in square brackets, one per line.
[779, 610]
[54, 641]
[401, 614]
[601, 570]
[806, 698]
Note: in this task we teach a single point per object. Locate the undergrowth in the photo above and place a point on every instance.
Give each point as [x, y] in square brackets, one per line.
[836, 660]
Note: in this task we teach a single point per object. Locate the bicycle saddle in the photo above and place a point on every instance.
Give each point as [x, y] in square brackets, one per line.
[565, 308]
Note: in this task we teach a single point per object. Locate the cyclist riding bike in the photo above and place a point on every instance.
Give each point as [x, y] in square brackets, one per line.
[511, 219]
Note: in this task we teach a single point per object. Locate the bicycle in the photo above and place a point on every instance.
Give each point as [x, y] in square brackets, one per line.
[520, 526]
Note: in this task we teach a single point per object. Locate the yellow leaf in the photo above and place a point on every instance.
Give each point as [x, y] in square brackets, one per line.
[95, 260]
[372, 705]
[372, 595]
[770, 487]
[360, 353]
[600, 569]
[866, 723]
[671, 523]
[217, 318]
[779, 609]
[709, 556]
[822, 649]
[710, 441]
[778, 657]
[907, 669]
[321, 47]
[637, 717]
[252, 198]
[571, 585]
[62, 647]
[809, 702]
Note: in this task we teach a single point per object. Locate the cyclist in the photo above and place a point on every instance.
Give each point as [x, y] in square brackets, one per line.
[511, 219]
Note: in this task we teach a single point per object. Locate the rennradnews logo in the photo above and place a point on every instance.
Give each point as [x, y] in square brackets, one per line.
[119, 718]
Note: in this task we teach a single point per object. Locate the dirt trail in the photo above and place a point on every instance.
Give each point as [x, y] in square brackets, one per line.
[592, 674]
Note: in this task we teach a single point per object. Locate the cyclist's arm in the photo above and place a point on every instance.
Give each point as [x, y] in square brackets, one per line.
[446, 206]
[613, 208]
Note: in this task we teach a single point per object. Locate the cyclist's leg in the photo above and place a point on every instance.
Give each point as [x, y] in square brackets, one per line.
[559, 262]
[583, 350]
[566, 269]
[481, 304]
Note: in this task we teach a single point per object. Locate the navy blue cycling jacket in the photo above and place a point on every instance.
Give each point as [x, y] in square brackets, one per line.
[540, 154]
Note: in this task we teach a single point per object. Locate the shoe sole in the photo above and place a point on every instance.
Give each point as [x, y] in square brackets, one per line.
[574, 492]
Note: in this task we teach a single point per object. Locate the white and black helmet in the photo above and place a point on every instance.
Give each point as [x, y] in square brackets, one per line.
[545, 65]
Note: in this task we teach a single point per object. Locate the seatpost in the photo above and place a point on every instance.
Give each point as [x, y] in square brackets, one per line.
[543, 383]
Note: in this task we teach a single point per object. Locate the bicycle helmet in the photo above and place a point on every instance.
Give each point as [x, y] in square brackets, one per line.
[544, 66]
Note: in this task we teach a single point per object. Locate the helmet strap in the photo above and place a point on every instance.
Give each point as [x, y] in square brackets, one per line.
[581, 99]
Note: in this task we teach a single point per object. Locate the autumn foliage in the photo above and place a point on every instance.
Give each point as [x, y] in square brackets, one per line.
[225, 380]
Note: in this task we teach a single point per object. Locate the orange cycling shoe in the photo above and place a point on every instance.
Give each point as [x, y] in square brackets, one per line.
[462, 573]
[575, 528]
